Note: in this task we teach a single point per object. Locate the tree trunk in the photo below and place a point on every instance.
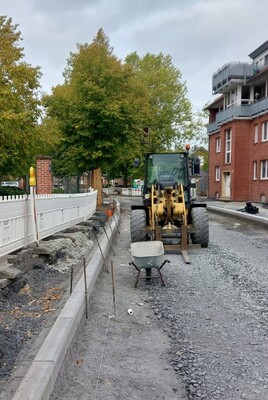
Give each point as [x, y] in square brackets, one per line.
[125, 177]
[97, 184]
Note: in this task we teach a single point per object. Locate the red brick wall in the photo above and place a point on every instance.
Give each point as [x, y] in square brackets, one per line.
[244, 152]
[259, 152]
[43, 176]
[241, 160]
[215, 159]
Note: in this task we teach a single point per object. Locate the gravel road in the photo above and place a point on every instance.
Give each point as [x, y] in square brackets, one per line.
[215, 313]
[202, 336]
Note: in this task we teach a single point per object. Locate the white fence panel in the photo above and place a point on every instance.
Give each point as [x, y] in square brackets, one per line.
[136, 192]
[12, 223]
[53, 214]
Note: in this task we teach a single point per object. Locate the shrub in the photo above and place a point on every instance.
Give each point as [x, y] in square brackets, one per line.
[11, 191]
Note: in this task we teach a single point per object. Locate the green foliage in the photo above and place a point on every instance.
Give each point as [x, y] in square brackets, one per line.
[98, 114]
[170, 116]
[19, 104]
[58, 191]
[202, 153]
[98, 109]
[11, 191]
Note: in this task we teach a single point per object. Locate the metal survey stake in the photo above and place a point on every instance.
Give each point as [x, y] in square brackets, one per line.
[96, 237]
[110, 243]
[112, 271]
[116, 223]
[110, 225]
[71, 283]
[85, 278]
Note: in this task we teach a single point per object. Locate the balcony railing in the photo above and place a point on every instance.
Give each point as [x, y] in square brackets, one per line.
[230, 71]
[245, 111]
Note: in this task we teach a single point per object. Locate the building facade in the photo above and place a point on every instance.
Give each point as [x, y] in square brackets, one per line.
[238, 130]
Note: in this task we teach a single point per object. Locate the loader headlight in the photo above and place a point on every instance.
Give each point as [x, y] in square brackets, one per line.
[193, 183]
[147, 196]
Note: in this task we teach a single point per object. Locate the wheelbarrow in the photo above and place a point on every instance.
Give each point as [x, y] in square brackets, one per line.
[148, 255]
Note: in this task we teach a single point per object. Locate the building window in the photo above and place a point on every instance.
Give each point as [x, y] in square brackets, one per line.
[228, 144]
[264, 169]
[264, 133]
[217, 174]
[218, 145]
[256, 133]
[254, 170]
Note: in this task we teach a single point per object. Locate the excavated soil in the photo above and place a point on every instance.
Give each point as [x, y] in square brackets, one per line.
[30, 305]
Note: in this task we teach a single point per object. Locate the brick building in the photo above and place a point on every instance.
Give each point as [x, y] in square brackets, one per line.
[238, 130]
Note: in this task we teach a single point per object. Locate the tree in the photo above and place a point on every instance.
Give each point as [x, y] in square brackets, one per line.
[98, 108]
[202, 153]
[170, 118]
[169, 115]
[19, 104]
[104, 104]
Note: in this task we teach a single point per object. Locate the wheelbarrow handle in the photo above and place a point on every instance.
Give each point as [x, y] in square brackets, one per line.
[164, 262]
[137, 268]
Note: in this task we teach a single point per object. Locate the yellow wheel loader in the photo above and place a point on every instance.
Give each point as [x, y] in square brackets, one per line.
[169, 211]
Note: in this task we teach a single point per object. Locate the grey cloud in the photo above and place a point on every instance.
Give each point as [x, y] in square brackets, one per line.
[200, 35]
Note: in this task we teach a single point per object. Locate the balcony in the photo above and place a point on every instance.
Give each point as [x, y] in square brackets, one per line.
[230, 74]
[245, 111]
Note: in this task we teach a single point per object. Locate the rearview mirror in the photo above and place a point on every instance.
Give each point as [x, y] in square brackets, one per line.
[196, 165]
[136, 162]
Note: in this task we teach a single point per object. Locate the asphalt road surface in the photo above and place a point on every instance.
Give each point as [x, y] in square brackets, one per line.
[202, 336]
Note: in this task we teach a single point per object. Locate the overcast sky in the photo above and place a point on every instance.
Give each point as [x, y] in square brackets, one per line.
[200, 35]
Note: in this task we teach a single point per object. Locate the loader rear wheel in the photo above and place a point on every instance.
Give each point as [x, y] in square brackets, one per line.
[138, 226]
[200, 226]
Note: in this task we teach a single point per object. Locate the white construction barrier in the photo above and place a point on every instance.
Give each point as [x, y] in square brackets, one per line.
[54, 213]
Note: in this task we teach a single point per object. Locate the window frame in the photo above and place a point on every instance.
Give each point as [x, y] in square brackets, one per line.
[264, 131]
[264, 170]
[217, 174]
[218, 144]
[255, 169]
[256, 133]
[228, 146]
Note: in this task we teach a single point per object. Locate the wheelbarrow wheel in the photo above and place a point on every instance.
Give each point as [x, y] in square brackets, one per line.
[148, 272]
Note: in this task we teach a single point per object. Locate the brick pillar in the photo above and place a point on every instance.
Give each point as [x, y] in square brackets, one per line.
[43, 175]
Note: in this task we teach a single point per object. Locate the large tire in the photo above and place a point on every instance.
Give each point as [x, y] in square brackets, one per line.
[200, 226]
[138, 226]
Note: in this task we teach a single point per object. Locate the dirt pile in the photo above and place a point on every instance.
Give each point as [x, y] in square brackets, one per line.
[32, 302]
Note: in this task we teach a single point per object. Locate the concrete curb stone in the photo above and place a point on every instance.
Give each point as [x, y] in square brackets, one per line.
[263, 219]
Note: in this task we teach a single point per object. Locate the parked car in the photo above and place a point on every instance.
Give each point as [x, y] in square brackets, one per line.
[10, 183]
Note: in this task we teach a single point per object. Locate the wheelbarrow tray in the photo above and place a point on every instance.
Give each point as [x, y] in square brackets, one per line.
[148, 254]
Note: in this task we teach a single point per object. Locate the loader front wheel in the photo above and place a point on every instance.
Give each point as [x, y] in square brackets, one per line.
[138, 226]
[200, 224]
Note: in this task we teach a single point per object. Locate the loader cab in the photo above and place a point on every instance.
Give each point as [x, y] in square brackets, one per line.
[166, 170]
